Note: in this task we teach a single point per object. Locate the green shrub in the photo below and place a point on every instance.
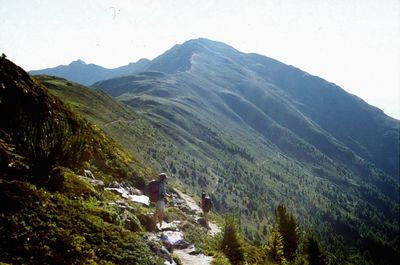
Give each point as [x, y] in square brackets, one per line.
[176, 259]
[220, 259]
[147, 221]
[38, 227]
[174, 214]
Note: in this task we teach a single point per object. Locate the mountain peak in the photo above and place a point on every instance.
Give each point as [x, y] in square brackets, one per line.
[208, 44]
[77, 62]
[178, 58]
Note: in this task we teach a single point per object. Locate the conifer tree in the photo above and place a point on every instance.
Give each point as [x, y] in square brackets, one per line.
[274, 247]
[313, 251]
[289, 231]
[231, 244]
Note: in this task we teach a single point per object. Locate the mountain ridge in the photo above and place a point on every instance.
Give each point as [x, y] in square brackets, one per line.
[168, 149]
[236, 124]
[309, 101]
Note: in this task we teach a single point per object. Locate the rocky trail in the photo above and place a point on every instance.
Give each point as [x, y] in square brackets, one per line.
[169, 238]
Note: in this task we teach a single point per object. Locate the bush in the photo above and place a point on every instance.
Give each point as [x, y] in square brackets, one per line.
[49, 228]
[220, 259]
[53, 143]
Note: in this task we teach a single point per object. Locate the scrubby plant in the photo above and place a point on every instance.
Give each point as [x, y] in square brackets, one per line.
[50, 228]
[220, 259]
[52, 143]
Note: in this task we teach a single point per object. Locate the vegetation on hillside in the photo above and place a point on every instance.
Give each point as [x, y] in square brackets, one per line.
[326, 190]
[255, 132]
[277, 249]
[49, 214]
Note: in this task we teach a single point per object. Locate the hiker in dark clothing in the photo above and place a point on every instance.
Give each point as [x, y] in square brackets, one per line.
[205, 205]
[160, 203]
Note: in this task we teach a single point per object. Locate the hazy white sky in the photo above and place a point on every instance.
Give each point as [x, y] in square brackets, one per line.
[353, 43]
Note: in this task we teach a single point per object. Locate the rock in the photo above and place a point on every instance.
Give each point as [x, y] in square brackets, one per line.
[142, 199]
[173, 240]
[173, 226]
[135, 191]
[147, 221]
[181, 244]
[157, 248]
[94, 182]
[202, 221]
[97, 183]
[119, 190]
[192, 256]
[114, 185]
[187, 210]
[87, 173]
[131, 222]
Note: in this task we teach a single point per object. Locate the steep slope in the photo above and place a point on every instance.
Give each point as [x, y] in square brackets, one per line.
[86, 74]
[119, 121]
[251, 125]
[291, 97]
[50, 214]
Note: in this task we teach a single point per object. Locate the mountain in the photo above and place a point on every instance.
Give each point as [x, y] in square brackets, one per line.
[69, 193]
[253, 132]
[86, 74]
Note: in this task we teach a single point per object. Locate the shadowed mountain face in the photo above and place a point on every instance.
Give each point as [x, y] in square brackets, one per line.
[86, 74]
[254, 132]
[279, 102]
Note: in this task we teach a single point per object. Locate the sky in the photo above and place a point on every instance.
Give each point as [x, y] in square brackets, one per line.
[352, 43]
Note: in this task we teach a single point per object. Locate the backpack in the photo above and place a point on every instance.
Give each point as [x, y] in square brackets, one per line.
[153, 190]
[207, 205]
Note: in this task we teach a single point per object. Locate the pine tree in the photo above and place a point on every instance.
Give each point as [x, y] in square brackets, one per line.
[274, 247]
[289, 231]
[313, 251]
[231, 244]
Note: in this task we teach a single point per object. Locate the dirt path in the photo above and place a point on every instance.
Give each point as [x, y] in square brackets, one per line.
[189, 256]
[170, 234]
[189, 259]
[214, 228]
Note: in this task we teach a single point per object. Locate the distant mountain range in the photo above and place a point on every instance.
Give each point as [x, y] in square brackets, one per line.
[254, 132]
[86, 74]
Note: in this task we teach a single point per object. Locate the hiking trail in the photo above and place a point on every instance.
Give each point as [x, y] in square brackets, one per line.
[170, 235]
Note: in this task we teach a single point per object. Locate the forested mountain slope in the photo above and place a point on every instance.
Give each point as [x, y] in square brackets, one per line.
[254, 132]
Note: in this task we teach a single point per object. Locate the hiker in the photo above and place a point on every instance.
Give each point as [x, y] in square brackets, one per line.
[158, 194]
[205, 205]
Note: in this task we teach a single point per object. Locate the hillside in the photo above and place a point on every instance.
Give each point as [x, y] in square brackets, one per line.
[237, 124]
[54, 168]
[246, 124]
[70, 194]
[87, 74]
